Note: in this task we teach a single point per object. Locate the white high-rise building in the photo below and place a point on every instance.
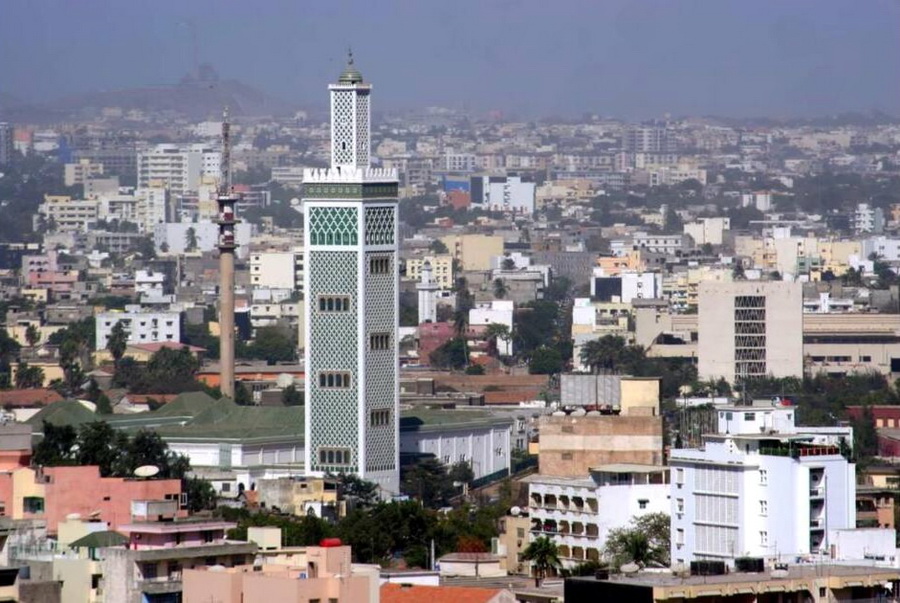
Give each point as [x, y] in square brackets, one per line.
[351, 284]
[762, 487]
[178, 167]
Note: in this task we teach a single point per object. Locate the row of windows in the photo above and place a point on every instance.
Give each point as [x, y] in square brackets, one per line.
[380, 265]
[334, 303]
[334, 379]
[380, 341]
[334, 456]
[380, 418]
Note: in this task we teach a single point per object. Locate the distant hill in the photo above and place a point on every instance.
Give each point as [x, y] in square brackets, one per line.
[196, 96]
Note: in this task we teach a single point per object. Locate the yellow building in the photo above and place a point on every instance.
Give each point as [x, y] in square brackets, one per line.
[441, 269]
[474, 251]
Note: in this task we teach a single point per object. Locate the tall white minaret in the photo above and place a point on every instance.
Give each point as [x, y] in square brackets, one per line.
[427, 290]
[351, 283]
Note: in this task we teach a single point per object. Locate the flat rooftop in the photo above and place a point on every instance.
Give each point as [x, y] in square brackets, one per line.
[629, 468]
[793, 573]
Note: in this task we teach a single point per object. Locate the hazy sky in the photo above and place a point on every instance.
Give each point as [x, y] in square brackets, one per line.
[629, 58]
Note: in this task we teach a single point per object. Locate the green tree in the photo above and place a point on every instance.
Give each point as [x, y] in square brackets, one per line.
[607, 353]
[117, 342]
[497, 332]
[364, 492]
[500, 288]
[56, 447]
[242, 396]
[32, 335]
[9, 348]
[273, 345]
[70, 362]
[461, 473]
[475, 369]
[865, 436]
[438, 247]
[508, 263]
[201, 495]
[544, 557]
[190, 239]
[537, 324]
[291, 396]
[645, 541]
[99, 444]
[104, 405]
[29, 377]
[450, 355]
[428, 482]
[545, 361]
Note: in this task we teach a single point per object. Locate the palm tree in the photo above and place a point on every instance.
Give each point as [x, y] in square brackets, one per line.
[544, 556]
[190, 239]
[32, 335]
[28, 377]
[608, 352]
[117, 342]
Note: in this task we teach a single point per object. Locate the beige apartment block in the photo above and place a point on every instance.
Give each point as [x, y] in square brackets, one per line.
[474, 251]
[571, 445]
[750, 329]
[441, 269]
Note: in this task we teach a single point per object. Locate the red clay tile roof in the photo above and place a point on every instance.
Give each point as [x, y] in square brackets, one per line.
[398, 593]
[29, 397]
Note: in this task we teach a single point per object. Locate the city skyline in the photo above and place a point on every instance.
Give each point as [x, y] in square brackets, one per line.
[625, 59]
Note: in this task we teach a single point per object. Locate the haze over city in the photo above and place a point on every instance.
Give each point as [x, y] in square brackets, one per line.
[623, 58]
[501, 301]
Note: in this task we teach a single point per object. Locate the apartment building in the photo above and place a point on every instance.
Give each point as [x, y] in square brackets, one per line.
[64, 214]
[277, 269]
[441, 269]
[750, 329]
[761, 487]
[474, 251]
[179, 167]
[140, 325]
[579, 513]
[83, 169]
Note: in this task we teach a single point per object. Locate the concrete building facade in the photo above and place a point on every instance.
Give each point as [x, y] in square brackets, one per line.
[750, 329]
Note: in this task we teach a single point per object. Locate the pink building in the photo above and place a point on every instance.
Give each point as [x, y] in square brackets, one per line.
[328, 575]
[53, 493]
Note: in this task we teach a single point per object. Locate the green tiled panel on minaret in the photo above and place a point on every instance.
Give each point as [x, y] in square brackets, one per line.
[333, 226]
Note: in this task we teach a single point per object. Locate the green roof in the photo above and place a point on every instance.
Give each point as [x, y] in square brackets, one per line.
[96, 540]
[422, 418]
[66, 412]
[186, 404]
[227, 420]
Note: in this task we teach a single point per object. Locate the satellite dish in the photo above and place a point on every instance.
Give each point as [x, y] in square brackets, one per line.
[295, 202]
[146, 471]
[73, 516]
[515, 511]
[630, 568]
